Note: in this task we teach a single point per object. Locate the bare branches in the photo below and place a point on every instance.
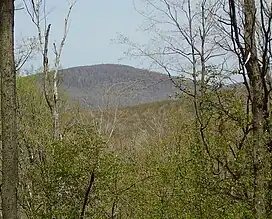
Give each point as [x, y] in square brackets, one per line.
[55, 76]
[253, 54]
[33, 9]
[175, 47]
[24, 51]
[37, 12]
[191, 38]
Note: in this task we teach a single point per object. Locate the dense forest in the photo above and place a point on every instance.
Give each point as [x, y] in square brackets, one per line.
[206, 153]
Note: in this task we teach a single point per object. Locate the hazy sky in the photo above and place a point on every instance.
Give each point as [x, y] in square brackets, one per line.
[93, 26]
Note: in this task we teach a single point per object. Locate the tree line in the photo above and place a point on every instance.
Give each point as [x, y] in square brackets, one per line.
[207, 157]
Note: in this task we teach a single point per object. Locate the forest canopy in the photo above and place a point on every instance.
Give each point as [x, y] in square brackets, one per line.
[204, 154]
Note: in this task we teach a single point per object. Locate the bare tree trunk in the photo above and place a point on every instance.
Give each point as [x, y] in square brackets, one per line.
[8, 111]
[254, 73]
[56, 125]
[51, 88]
[250, 60]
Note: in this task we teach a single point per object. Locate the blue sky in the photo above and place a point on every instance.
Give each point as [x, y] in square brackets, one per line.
[93, 26]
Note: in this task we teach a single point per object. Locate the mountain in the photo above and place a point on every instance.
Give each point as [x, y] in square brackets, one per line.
[113, 85]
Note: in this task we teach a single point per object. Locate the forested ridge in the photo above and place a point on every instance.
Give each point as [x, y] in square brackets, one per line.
[112, 85]
[73, 148]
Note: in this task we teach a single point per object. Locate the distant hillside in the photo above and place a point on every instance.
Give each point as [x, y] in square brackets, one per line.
[111, 85]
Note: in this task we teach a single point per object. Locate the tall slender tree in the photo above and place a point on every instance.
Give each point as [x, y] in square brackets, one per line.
[8, 111]
[38, 16]
[253, 49]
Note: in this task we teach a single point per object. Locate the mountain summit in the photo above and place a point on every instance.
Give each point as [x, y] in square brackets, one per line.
[112, 85]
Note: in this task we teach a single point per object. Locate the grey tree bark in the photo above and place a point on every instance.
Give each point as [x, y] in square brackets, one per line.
[8, 112]
[256, 66]
[51, 85]
[257, 107]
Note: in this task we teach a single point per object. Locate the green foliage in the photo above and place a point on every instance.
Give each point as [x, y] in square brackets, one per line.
[155, 165]
[54, 174]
